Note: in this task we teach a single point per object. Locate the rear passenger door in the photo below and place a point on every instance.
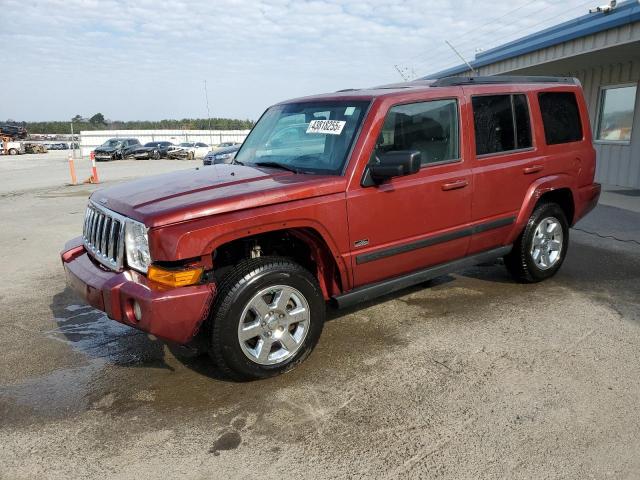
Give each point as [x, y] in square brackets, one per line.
[505, 162]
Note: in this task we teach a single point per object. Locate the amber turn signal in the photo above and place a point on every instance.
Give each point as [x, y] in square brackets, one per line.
[174, 278]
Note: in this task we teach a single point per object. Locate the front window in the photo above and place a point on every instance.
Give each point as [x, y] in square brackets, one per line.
[307, 137]
[428, 127]
[615, 117]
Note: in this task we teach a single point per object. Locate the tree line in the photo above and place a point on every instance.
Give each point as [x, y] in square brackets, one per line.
[98, 122]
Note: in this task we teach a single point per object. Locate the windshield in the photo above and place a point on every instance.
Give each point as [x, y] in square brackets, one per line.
[184, 144]
[309, 137]
[111, 143]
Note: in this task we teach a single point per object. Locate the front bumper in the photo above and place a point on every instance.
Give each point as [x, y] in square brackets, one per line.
[174, 314]
[104, 156]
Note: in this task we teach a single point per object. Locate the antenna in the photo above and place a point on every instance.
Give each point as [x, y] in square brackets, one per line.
[404, 77]
[461, 57]
[206, 97]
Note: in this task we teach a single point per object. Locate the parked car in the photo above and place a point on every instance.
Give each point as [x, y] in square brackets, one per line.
[155, 150]
[12, 147]
[116, 148]
[228, 144]
[13, 131]
[189, 150]
[35, 148]
[401, 184]
[221, 155]
[57, 146]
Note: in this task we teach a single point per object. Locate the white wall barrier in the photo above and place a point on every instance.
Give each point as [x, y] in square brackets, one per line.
[93, 138]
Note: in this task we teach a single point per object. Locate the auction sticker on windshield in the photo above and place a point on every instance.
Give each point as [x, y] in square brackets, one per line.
[330, 127]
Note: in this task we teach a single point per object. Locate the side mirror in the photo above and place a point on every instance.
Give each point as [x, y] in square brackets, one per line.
[392, 164]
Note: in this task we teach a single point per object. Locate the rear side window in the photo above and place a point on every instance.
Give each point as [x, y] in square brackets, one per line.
[501, 123]
[560, 117]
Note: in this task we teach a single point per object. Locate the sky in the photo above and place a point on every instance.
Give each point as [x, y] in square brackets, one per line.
[148, 59]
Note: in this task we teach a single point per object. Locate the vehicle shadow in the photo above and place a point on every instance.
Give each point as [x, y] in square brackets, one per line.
[92, 333]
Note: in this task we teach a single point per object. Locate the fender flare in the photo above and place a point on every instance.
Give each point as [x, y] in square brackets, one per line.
[535, 191]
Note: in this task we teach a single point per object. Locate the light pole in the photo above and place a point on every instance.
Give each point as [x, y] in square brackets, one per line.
[206, 97]
[73, 144]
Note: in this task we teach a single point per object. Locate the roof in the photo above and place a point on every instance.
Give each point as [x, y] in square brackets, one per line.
[624, 13]
[395, 89]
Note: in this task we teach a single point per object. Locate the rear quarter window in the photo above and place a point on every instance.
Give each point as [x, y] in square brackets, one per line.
[560, 117]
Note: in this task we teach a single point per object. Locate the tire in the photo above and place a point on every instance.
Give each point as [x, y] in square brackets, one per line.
[272, 285]
[541, 248]
[156, 155]
[13, 151]
[191, 156]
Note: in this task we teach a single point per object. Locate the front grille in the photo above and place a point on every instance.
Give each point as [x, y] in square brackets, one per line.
[103, 235]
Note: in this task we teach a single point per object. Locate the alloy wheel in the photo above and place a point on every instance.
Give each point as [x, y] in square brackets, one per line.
[274, 325]
[546, 246]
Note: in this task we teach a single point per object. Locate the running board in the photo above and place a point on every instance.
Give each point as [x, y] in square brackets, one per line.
[373, 290]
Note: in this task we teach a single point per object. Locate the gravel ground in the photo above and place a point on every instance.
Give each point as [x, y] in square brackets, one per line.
[469, 376]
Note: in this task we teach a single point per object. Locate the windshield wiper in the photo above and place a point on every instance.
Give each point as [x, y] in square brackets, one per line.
[277, 165]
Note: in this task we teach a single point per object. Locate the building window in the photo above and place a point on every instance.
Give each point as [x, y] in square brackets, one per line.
[560, 117]
[615, 115]
[429, 127]
[501, 123]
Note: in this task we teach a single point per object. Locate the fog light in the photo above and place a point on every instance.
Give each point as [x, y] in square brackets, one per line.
[137, 311]
[174, 278]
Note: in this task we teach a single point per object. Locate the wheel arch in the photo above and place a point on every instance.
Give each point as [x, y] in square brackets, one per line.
[304, 244]
[558, 189]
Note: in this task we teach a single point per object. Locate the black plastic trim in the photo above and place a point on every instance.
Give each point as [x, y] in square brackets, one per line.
[436, 239]
[498, 79]
[373, 290]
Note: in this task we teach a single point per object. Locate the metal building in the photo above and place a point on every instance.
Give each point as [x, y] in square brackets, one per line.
[601, 49]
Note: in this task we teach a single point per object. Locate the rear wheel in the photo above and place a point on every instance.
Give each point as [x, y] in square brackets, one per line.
[541, 248]
[267, 318]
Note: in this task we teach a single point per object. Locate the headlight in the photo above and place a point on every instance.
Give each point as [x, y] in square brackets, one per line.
[136, 244]
[224, 156]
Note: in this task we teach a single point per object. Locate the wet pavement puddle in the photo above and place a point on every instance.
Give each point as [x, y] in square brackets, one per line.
[65, 391]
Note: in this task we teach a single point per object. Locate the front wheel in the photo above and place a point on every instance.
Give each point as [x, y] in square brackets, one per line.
[267, 318]
[540, 250]
[13, 151]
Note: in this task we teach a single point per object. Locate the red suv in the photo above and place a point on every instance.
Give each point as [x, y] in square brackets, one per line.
[340, 198]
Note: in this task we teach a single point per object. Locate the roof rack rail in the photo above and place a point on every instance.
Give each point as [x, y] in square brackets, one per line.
[454, 81]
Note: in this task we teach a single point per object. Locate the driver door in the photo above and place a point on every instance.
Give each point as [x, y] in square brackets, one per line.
[414, 221]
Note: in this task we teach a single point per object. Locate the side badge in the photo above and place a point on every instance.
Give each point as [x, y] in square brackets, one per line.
[361, 243]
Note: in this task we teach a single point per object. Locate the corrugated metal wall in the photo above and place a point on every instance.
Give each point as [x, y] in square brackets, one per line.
[618, 164]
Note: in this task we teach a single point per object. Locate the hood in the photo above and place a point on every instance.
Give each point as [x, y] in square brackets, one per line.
[223, 150]
[142, 148]
[105, 149]
[188, 194]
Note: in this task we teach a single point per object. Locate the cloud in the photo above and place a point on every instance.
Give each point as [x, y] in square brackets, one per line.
[147, 59]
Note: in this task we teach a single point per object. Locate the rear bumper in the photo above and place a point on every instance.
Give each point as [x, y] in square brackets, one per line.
[587, 200]
[174, 314]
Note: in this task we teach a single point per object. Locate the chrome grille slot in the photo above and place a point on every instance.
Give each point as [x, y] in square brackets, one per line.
[103, 235]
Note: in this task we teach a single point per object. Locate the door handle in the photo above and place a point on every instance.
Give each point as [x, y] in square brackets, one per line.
[533, 169]
[455, 185]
